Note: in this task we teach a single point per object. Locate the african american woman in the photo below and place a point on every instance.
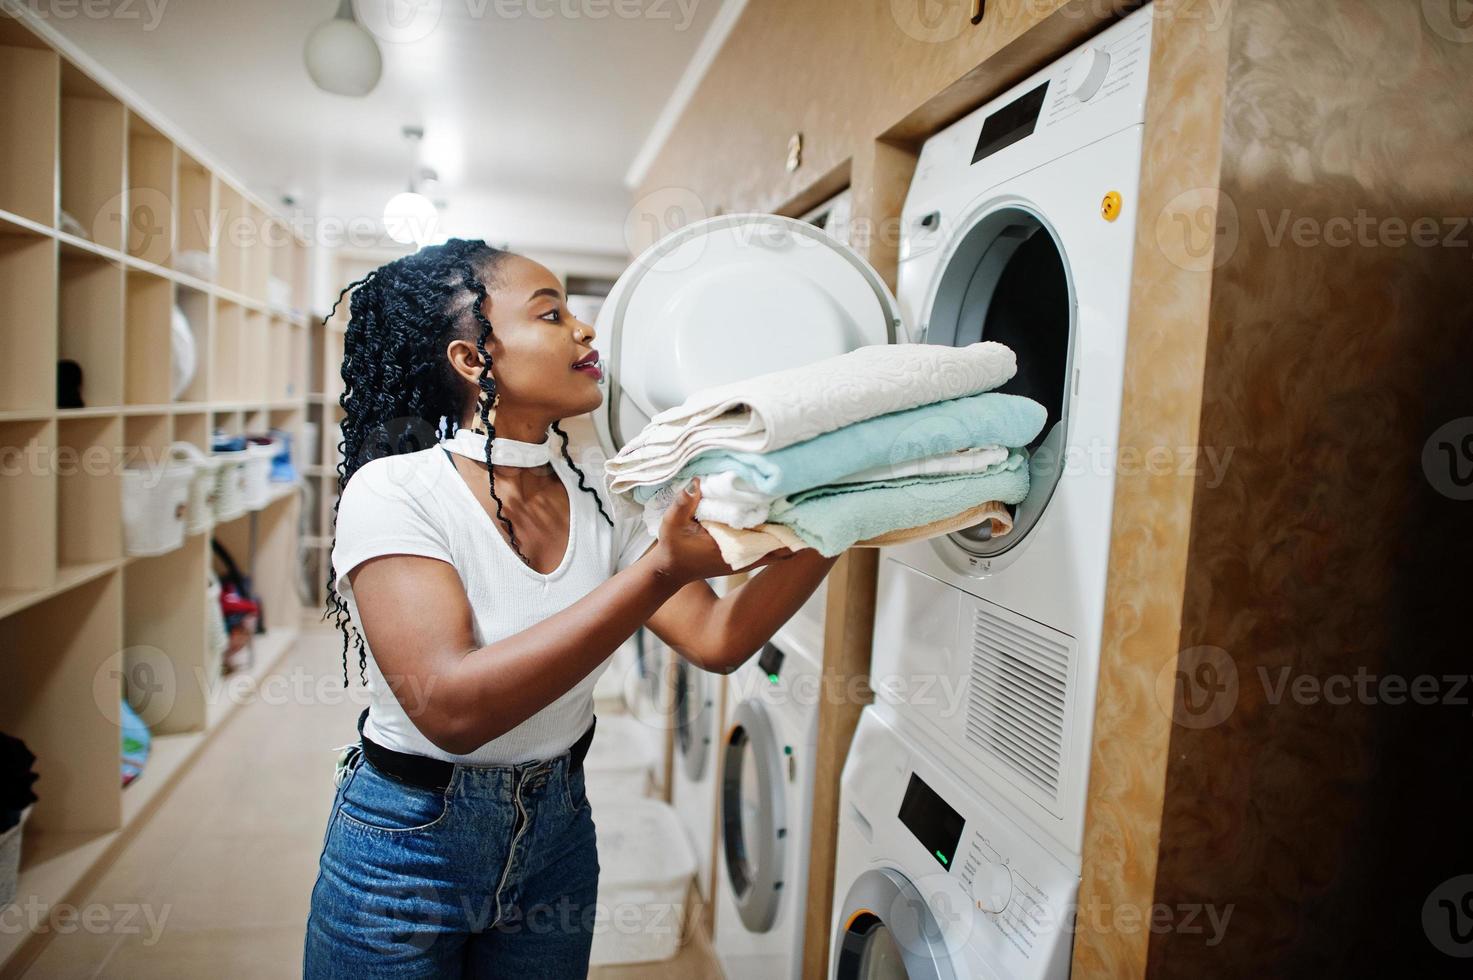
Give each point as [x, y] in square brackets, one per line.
[483, 584]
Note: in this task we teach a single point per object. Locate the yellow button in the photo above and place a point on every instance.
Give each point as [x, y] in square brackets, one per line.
[1110, 206]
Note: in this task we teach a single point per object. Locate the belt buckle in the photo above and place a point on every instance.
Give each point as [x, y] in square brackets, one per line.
[347, 757]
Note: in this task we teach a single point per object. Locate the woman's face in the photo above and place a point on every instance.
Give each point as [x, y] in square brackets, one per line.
[540, 354]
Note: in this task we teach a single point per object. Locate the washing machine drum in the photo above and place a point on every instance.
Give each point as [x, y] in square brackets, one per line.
[726, 299]
[693, 712]
[887, 930]
[1007, 279]
[753, 816]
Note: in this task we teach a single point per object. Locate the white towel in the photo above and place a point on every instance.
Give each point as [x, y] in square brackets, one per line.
[778, 409]
[725, 497]
[978, 459]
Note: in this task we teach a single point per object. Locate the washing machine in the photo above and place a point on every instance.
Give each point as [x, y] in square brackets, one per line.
[934, 882]
[765, 802]
[1020, 227]
[698, 702]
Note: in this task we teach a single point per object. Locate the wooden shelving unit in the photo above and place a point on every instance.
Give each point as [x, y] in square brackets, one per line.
[101, 211]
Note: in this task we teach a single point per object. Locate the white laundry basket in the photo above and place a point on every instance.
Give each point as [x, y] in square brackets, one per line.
[155, 503]
[202, 488]
[229, 484]
[620, 761]
[10, 842]
[645, 871]
[256, 489]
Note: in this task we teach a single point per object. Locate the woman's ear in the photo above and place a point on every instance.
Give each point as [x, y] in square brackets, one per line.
[466, 361]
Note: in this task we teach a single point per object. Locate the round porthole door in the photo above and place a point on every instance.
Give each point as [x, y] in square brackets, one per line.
[888, 932]
[1006, 278]
[753, 816]
[729, 298]
[694, 712]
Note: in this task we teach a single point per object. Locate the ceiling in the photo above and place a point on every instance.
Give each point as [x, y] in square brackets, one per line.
[519, 99]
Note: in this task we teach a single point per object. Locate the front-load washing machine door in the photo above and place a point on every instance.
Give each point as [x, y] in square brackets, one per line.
[753, 816]
[725, 299]
[1006, 278]
[887, 930]
[694, 708]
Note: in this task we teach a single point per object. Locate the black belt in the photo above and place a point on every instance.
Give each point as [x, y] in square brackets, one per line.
[435, 774]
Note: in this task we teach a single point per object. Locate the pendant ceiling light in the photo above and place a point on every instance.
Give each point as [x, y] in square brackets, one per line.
[410, 217]
[341, 56]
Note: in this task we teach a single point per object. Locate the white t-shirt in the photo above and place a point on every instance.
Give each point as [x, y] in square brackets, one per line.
[418, 504]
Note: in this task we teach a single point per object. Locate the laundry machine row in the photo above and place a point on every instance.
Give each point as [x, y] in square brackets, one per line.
[962, 799]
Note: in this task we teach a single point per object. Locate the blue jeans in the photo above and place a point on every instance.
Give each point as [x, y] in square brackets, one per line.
[495, 877]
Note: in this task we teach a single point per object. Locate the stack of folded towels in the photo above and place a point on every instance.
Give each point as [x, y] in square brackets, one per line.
[880, 445]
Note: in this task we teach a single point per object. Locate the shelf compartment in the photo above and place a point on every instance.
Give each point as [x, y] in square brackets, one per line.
[193, 427]
[150, 193]
[90, 323]
[256, 357]
[233, 237]
[282, 385]
[62, 695]
[146, 439]
[164, 633]
[272, 563]
[27, 322]
[89, 491]
[196, 229]
[147, 359]
[258, 262]
[197, 308]
[31, 80]
[27, 506]
[226, 370]
[93, 147]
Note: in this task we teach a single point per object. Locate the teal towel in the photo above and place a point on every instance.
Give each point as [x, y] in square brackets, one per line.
[834, 518]
[988, 419]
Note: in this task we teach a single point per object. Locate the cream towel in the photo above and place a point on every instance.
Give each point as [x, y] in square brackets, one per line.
[742, 546]
[775, 410]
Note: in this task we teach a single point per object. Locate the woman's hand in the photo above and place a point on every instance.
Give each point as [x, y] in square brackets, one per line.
[688, 552]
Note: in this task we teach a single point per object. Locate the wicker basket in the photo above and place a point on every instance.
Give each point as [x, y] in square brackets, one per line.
[229, 484]
[256, 489]
[202, 489]
[10, 859]
[154, 508]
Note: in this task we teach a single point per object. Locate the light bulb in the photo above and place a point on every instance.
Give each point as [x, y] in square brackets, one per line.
[342, 57]
[410, 218]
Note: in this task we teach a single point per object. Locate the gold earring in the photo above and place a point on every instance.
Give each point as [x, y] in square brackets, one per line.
[488, 412]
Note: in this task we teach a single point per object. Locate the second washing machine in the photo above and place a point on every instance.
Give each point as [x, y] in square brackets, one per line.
[765, 806]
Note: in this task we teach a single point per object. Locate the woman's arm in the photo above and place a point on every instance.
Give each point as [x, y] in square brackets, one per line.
[415, 616]
[719, 633]
[417, 620]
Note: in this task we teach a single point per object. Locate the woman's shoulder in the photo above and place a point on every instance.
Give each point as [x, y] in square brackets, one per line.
[409, 481]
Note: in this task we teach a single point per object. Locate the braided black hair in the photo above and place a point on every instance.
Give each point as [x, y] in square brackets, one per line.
[400, 392]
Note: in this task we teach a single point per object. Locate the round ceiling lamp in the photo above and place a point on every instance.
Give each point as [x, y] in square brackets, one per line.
[341, 56]
[410, 218]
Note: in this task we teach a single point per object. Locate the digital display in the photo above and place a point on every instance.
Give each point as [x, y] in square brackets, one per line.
[936, 825]
[1009, 124]
[771, 662]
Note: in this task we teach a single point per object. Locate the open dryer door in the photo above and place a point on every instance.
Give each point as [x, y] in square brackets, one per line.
[1007, 279]
[754, 816]
[725, 299]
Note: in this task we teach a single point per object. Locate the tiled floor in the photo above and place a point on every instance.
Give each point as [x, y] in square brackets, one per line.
[218, 879]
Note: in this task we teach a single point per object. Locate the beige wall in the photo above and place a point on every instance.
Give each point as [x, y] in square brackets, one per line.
[843, 74]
